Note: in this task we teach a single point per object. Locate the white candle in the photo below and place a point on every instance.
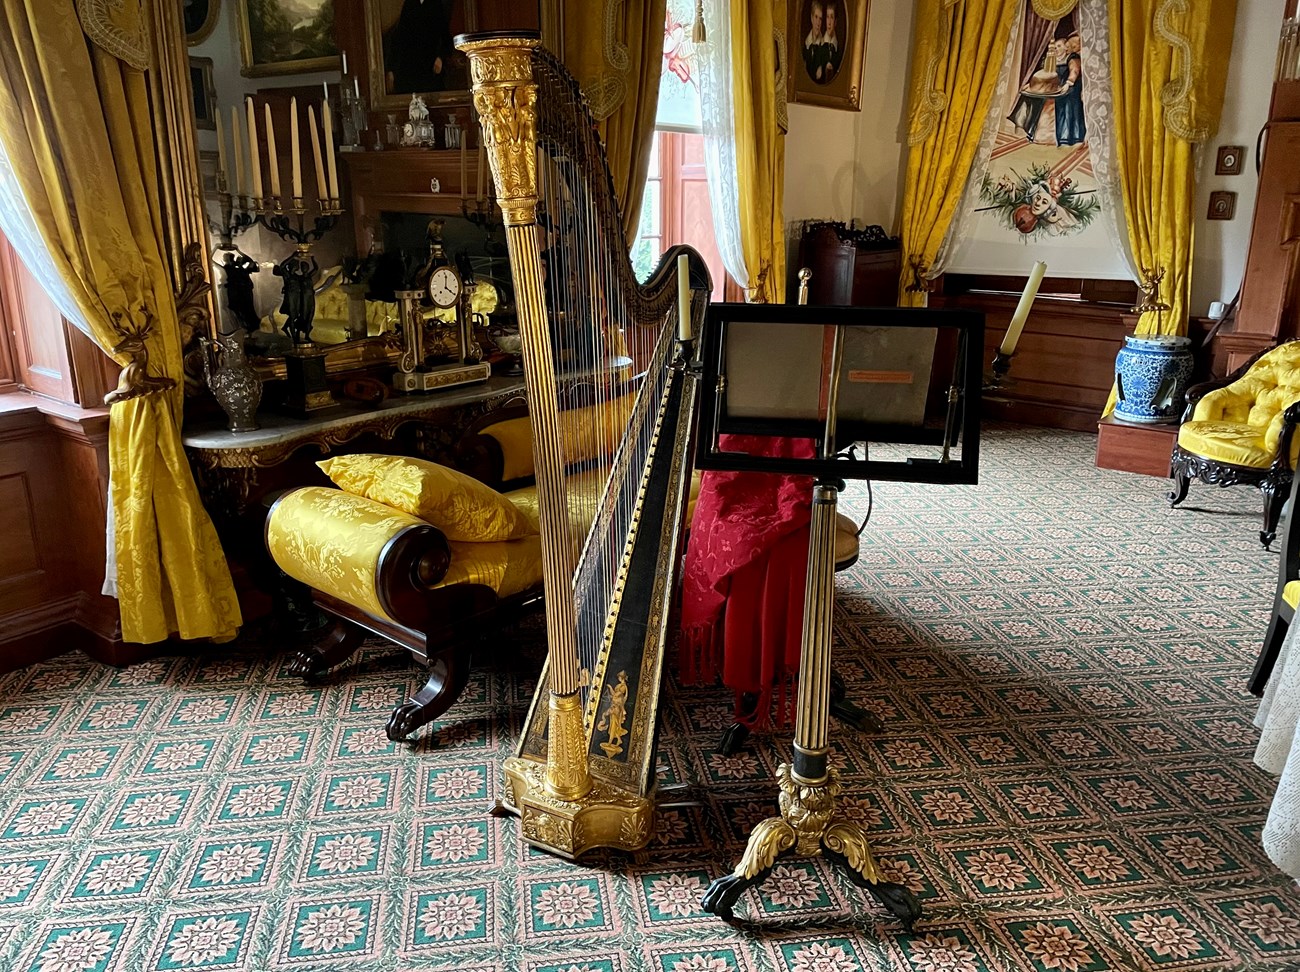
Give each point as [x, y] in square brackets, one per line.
[221, 151]
[272, 156]
[683, 297]
[322, 188]
[345, 62]
[356, 87]
[295, 155]
[329, 151]
[1018, 319]
[254, 150]
[237, 147]
[325, 86]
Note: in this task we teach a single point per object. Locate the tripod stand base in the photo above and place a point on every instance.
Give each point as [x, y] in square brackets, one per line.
[809, 826]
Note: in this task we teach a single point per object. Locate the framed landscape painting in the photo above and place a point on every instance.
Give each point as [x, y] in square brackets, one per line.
[827, 43]
[287, 37]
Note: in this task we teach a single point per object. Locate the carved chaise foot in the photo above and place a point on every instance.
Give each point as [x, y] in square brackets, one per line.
[448, 673]
[338, 645]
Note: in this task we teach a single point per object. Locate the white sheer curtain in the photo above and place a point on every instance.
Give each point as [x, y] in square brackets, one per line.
[717, 115]
[1099, 109]
[20, 230]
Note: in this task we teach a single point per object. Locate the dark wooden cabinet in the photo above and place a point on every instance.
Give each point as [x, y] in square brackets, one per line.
[850, 267]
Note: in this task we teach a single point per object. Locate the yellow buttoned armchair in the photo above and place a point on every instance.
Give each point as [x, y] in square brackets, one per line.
[1240, 431]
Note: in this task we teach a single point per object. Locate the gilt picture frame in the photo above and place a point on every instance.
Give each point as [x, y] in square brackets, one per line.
[826, 44]
[410, 46]
[205, 96]
[278, 37]
[198, 17]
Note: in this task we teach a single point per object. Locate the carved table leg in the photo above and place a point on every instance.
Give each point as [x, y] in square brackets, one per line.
[447, 677]
[1180, 483]
[335, 648]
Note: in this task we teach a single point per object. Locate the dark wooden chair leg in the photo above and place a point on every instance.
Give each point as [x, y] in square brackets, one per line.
[448, 673]
[1273, 638]
[734, 736]
[849, 713]
[1180, 483]
[1274, 499]
[335, 648]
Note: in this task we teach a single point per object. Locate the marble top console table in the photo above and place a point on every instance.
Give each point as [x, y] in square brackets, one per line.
[235, 470]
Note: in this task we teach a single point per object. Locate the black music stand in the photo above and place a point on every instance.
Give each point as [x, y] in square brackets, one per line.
[841, 376]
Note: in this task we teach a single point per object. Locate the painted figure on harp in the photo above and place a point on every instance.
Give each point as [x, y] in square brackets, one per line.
[615, 717]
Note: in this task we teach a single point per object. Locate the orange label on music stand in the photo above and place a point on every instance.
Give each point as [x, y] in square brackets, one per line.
[862, 377]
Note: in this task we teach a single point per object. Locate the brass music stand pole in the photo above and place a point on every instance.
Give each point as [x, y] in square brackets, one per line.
[809, 823]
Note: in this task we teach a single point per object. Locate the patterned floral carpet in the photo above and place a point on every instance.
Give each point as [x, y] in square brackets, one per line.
[1065, 778]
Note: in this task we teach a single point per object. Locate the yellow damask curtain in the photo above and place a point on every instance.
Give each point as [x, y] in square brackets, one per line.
[615, 48]
[1169, 64]
[76, 125]
[956, 66]
[758, 93]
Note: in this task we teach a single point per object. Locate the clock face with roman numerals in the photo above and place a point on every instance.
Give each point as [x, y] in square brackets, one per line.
[444, 287]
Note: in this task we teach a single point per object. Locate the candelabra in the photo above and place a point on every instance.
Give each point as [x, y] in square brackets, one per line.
[306, 388]
[232, 221]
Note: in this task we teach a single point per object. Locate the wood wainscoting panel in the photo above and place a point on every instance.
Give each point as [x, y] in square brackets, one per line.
[1065, 362]
[20, 553]
[53, 495]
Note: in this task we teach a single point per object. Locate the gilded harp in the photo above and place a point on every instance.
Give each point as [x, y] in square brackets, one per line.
[611, 411]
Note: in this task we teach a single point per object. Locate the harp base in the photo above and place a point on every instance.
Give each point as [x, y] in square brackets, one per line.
[605, 817]
[809, 826]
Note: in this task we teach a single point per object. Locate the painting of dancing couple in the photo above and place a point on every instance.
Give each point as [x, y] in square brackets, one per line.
[1040, 181]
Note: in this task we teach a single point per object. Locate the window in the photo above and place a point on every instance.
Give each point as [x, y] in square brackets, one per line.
[41, 352]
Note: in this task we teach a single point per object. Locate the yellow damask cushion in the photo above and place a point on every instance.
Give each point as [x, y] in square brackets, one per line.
[331, 540]
[1260, 395]
[508, 566]
[584, 491]
[1291, 593]
[515, 436]
[1236, 443]
[461, 507]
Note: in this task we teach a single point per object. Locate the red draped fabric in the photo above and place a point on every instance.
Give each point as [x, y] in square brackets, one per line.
[743, 580]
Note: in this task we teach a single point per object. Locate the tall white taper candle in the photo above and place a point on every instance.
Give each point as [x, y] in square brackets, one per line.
[330, 163]
[322, 187]
[237, 149]
[272, 155]
[295, 153]
[254, 150]
[221, 150]
[1018, 319]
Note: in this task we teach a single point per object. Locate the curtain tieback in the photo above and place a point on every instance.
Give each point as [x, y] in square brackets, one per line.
[919, 284]
[135, 380]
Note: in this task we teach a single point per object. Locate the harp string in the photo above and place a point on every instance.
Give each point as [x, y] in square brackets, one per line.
[611, 349]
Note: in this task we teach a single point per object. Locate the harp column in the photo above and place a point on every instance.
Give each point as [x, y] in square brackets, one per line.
[505, 97]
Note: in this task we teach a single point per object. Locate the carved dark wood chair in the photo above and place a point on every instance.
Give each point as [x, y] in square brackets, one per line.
[1240, 431]
[1285, 598]
[374, 570]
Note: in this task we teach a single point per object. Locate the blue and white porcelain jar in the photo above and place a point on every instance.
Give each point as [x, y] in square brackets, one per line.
[1151, 375]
